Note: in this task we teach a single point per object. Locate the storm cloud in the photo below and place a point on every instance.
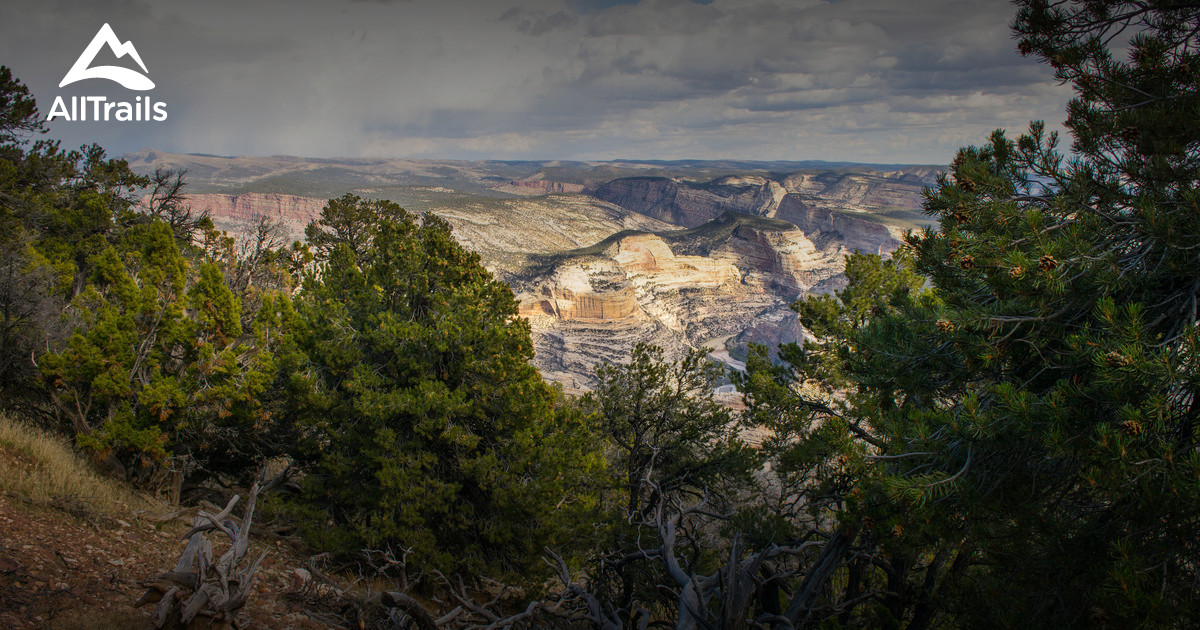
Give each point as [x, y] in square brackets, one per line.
[860, 80]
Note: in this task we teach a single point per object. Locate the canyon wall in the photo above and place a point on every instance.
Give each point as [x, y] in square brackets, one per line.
[236, 213]
[595, 306]
[836, 206]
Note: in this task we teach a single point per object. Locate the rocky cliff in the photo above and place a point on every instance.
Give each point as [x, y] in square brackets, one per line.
[594, 279]
[866, 210]
[534, 187]
[853, 231]
[679, 202]
[723, 284]
[235, 213]
[503, 231]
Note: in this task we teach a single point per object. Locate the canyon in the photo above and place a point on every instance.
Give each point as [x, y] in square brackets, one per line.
[604, 255]
[724, 284]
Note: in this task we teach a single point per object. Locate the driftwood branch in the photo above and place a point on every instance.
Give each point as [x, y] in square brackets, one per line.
[199, 592]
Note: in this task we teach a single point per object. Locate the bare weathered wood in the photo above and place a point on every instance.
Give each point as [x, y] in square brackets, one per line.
[411, 607]
[194, 605]
[731, 597]
[166, 606]
[182, 579]
[198, 589]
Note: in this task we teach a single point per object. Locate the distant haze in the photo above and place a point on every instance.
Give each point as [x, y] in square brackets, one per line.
[859, 80]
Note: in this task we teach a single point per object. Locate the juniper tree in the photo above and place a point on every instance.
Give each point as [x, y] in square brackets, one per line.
[427, 430]
[671, 446]
[158, 374]
[116, 323]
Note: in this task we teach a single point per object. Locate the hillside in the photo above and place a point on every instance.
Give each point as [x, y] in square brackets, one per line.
[76, 546]
[602, 255]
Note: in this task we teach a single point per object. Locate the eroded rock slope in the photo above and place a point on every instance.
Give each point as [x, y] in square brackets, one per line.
[723, 284]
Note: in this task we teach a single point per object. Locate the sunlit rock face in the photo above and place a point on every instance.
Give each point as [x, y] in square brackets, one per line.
[854, 233]
[723, 285]
[238, 213]
[682, 203]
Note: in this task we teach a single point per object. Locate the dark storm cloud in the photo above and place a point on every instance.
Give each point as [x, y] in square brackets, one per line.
[872, 80]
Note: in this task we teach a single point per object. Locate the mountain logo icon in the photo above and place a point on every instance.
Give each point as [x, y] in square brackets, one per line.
[128, 78]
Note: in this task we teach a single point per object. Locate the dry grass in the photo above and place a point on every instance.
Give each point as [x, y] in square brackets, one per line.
[45, 468]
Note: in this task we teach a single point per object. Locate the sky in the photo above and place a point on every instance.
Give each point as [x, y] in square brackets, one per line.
[882, 81]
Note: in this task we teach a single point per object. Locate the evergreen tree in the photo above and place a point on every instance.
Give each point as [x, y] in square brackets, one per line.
[118, 324]
[428, 430]
[1034, 439]
[671, 446]
[159, 372]
[669, 435]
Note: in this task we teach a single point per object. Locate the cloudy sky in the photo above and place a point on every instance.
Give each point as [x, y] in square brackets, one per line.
[859, 80]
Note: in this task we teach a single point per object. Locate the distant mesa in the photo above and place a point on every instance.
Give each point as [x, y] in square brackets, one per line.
[540, 187]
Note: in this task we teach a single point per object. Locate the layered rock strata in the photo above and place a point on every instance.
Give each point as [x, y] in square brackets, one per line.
[835, 204]
[654, 288]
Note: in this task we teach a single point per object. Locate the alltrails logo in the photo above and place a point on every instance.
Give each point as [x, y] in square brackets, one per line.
[143, 108]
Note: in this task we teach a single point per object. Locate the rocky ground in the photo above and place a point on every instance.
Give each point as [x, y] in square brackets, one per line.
[63, 568]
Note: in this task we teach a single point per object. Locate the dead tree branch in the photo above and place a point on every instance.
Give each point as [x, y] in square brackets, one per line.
[200, 592]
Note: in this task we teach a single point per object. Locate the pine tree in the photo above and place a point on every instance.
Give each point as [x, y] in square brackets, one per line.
[671, 445]
[1035, 432]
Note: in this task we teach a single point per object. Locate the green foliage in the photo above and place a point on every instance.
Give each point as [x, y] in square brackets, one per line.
[671, 444]
[158, 367]
[351, 221]
[1033, 424]
[801, 439]
[874, 288]
[668, 434]
[426, 426]
[18, 110]
[28, 310]
[117, 325]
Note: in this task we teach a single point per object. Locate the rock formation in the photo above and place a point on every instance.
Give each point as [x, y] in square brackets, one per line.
[234, 213]
[679, 202]
[503, 232]
[835, 204]
[855, 232]
[534, 187]
[724, 284]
